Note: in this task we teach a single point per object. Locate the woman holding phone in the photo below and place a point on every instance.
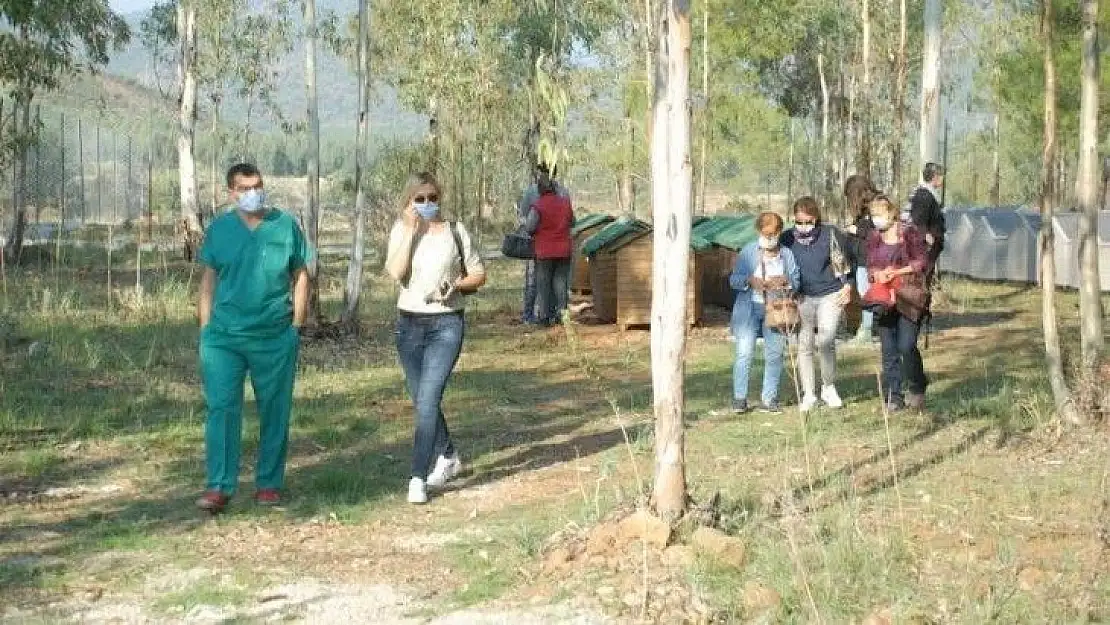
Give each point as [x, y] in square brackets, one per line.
[436, 264]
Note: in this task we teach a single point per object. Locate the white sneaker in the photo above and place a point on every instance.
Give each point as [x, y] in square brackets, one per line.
[445, 470]
[418, 493]
[808, 403]
[831, 397]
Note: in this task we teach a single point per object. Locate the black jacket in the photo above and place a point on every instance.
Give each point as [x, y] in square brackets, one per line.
[926, 214]
[857, 243]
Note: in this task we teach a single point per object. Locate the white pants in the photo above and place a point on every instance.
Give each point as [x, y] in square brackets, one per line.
[820, 320]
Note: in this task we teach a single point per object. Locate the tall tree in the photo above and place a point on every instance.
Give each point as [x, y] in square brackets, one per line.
[187, 120]
[863, 162]
[930, 83]
[353, 293]
[671, 181]
[42, 44]
[1054, 358]
[1088, 194]
[901, 70]
[312, 218]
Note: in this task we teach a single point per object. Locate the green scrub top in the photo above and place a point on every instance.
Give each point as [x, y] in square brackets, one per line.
[255, 268]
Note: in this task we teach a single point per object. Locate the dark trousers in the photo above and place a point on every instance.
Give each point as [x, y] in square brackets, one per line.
[903, 370]
[429, 346]
[529, 313]
[552, 285]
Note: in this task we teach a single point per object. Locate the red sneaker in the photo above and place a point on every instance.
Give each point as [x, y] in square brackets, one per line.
[267, 497]
[213, 501]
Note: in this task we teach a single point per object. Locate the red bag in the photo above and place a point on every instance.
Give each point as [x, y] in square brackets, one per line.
[881, 297]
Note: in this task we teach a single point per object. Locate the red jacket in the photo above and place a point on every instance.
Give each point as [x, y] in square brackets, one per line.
[552, 240]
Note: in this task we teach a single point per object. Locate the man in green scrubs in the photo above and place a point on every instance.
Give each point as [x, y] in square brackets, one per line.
[253, 301]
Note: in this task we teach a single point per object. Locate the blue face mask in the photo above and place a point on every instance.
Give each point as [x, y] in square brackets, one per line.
[252, 201]
[427, 210]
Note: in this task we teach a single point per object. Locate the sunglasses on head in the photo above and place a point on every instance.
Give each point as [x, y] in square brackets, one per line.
[431, 197]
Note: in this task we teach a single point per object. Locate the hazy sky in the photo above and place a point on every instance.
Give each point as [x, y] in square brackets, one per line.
[130, 6]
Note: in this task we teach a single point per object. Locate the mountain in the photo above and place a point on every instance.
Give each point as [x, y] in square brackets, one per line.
[336, 88]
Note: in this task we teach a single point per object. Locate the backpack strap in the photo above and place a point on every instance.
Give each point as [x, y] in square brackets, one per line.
[454, 226]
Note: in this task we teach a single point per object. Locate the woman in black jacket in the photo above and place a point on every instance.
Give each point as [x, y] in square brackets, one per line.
[858, 192]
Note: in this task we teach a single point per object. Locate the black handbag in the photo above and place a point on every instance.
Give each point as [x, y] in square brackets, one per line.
[518, 245]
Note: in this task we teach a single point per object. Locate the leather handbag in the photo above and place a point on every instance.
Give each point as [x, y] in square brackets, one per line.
[780, 307]
[518, 244]
[911, 298]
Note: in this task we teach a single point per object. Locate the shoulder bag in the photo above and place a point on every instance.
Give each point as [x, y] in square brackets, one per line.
[518, 244]
[462, 256]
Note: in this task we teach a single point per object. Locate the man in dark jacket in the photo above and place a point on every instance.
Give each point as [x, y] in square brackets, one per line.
[926, 212]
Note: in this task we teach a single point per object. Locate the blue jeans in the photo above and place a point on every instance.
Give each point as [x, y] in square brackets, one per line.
[867, 320]
[552, 284]
[429, 346]
[529, 313]
[903, 369]
[747, 320]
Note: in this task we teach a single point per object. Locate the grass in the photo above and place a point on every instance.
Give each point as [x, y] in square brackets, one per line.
[992, 518]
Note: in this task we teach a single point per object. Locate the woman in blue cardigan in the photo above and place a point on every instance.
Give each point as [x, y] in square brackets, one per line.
[764, 269]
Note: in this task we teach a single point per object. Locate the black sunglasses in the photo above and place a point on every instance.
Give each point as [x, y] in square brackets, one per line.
[799, 222]
[431, 197]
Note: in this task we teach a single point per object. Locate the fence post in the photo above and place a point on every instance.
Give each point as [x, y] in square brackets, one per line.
[81, 168]
[99, 186]
[115, 177]
[150, 185]
[38, 164]
[62, 202]
[127, 191]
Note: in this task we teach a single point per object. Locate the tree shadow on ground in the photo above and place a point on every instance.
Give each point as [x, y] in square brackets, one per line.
[366, 461]
[948, 320]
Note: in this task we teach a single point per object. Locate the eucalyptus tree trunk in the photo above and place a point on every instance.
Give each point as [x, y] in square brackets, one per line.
[627, 182]
[649, 51]
[213, 158]
[353, 293]
[433, 137]
[19, 175]
[671, 179]
[826, 164]
[313, 214]
[1054, 358]
[706, 124]
[897, 140]
[1087, 191]
[930, 83]
[863, 163]
[996, 121]
[187, 119]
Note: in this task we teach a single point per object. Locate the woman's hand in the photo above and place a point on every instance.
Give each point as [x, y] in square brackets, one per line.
[409, 217]
[883, 276]
[756, 283]
[844, 296]
[852, 229]
[776, 283]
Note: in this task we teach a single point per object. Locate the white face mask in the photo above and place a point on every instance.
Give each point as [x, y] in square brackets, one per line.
[768, 243]
[882, 224]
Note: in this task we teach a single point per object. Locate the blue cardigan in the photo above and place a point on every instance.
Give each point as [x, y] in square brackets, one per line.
[747, 262]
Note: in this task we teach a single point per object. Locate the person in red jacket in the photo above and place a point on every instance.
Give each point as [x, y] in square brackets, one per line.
[550, 220]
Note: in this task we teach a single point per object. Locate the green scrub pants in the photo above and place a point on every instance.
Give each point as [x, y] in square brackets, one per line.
[272, 362]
